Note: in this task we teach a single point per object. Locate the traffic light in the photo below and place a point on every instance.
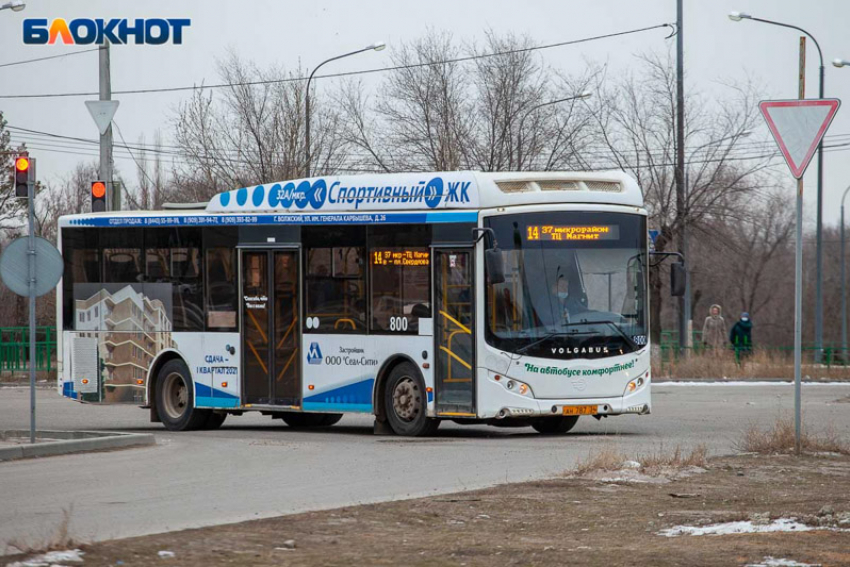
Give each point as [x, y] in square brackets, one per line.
[23, 175]
[98, 196]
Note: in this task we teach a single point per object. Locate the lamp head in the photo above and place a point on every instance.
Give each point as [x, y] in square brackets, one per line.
[738, 16]
[377, 46]
[840, 62]
[585, 94]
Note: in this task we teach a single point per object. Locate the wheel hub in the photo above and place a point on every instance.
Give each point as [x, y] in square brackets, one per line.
[407, 399]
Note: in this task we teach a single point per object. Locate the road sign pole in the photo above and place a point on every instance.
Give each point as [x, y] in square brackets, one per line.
[798, 319]
[798, 283]
[32, 296]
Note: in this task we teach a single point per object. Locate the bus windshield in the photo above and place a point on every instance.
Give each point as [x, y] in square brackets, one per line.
[575, 284]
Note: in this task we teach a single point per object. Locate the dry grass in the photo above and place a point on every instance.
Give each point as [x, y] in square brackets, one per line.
[59, 540]
[761, 364]
[656, 462]
[780, 438]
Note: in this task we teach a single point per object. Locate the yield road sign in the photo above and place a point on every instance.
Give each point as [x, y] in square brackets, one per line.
[102, 111]
[798, 127]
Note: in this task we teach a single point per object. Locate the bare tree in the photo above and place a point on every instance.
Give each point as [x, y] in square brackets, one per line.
[253, 133]
[635, 117]
[488, 111]
[12, 210]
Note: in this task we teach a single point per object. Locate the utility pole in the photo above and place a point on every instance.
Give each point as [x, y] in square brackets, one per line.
[681, 199]
[113, 201]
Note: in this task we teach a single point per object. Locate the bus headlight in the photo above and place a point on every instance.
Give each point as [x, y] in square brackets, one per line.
[520, 388]
[635, 384]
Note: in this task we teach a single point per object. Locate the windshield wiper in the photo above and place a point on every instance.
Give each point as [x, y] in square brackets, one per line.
[613, 325]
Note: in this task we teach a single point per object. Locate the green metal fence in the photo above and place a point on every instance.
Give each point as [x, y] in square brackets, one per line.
[671, 351]
[15, 346]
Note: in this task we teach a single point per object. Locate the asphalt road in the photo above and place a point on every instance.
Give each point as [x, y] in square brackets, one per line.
[256, 467]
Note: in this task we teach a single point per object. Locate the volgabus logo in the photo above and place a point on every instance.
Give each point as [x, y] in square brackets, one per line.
[86, 31]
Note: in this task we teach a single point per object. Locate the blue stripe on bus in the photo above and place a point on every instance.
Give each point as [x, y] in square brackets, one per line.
[211, 398]
[314, 406]
[350, 397]
[284, 219]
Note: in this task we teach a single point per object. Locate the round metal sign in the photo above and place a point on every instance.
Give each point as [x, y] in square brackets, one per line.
[14, 267]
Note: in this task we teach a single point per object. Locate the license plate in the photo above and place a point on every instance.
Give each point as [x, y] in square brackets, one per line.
[580, 410]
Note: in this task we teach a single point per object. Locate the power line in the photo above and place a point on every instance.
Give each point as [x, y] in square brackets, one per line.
[47, 58]
[348, 73]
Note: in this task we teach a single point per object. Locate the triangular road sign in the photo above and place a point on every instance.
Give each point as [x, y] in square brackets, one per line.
[798, 127]
[102, 111]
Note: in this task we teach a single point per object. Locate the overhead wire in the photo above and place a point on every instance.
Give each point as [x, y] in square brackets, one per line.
[346, 73]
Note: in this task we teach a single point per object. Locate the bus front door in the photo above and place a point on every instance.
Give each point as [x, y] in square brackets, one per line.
[454, 331]
[271, 373]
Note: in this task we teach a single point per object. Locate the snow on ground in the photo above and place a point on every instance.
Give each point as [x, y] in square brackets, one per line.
[51, 559]
[742, 527]
[774, 562]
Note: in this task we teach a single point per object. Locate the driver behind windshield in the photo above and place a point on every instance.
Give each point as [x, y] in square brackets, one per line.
[568, 304]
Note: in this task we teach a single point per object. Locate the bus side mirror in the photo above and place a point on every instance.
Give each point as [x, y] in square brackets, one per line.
[677, 279]
[495, 265]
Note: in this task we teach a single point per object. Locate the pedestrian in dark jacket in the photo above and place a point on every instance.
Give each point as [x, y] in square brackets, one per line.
[741, 336]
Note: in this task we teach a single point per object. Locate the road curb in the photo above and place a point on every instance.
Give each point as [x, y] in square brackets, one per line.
[68, 442]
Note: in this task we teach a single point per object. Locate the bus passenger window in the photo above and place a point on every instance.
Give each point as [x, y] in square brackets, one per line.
[401, 288]
[335, 280]
[220, 281]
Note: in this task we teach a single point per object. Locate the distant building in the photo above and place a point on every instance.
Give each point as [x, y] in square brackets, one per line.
[138, 328]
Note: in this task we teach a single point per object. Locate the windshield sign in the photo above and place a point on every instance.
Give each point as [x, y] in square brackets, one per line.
[575, 285]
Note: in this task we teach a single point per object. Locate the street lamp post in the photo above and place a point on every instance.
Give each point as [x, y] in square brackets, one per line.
[737, 17]
[843, 287]
[377, 46]
[585, 94]
[14, 5]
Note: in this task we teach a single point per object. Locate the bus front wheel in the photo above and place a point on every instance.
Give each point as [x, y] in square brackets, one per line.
[405, 401]
[555, 425]
[175, 399]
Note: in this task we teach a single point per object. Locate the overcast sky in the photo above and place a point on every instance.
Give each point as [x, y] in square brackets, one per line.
[286, 33]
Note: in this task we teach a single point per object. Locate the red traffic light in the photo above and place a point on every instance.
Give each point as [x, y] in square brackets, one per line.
[98, 189]
[22, 163]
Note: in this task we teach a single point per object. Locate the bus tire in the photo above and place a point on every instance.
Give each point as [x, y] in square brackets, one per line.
[308, 420]
[175, 398]
[214, 420]
[406, 403]
[555, 425]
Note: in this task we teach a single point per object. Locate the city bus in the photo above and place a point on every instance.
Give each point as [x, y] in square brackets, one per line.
[509, 299]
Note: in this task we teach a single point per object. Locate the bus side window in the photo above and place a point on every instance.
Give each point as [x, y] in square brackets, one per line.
[82, 267]
[400, 276]
[220, 281]
[335, 279]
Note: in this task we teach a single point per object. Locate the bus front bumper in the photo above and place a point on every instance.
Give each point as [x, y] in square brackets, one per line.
[502, 404]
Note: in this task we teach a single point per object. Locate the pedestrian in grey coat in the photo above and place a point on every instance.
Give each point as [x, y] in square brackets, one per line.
[714, 331]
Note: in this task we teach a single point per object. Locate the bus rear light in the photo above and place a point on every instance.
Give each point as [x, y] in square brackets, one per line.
[497, 377]
[523, 389]
[426, 365]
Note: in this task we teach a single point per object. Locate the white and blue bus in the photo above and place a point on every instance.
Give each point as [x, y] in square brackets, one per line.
[499, 298]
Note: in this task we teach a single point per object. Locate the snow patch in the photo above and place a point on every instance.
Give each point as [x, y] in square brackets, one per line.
[745, 383]
[743, 527]
[774, 562]
[51, 558]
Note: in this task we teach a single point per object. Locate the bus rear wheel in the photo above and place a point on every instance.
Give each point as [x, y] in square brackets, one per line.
[555, 425]
[405, 401]
[175, 399]
[305, 420]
